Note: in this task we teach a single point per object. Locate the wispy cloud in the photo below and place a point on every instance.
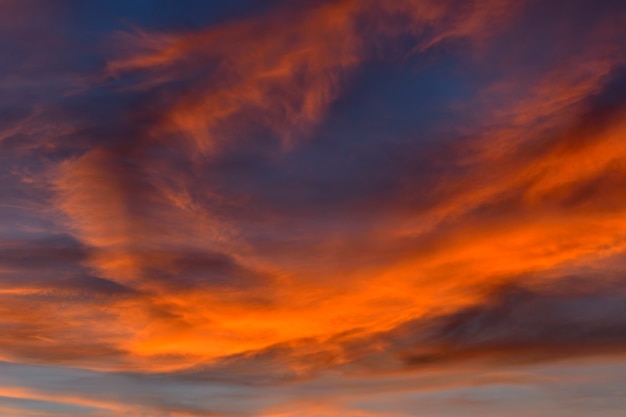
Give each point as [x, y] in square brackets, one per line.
[282, 210]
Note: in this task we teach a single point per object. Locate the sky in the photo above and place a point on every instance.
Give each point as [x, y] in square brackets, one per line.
[315, 208]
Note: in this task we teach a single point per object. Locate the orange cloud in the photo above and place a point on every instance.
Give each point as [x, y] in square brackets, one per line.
[224, 210]
[282, 72]
[148, 224]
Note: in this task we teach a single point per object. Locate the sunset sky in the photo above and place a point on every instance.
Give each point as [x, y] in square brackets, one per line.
[313, 208]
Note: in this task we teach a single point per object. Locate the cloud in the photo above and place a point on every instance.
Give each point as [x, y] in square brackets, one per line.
[220, 246]
[281, 72]
[301, 202]
[570, 317]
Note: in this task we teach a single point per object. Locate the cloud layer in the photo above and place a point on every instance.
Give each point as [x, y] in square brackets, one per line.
[331, 208]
